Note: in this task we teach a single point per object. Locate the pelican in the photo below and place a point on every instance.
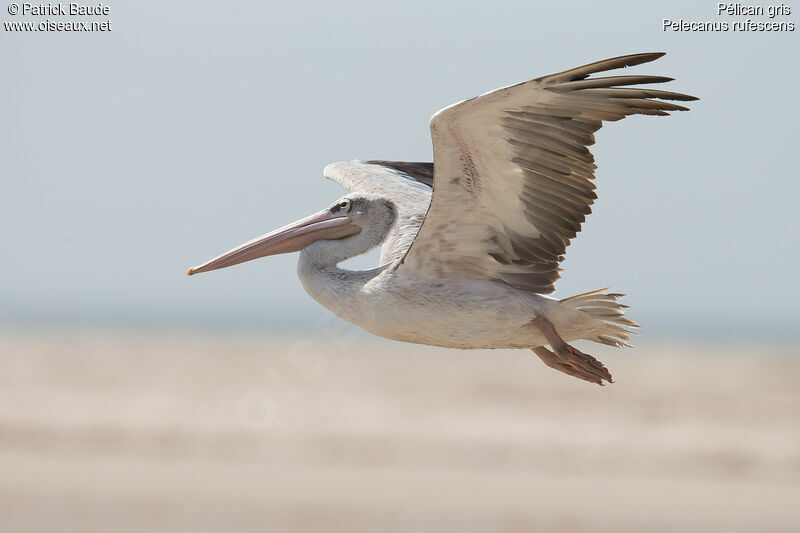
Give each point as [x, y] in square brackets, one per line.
[471, 243]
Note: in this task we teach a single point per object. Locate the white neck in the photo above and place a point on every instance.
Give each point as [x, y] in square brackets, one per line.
[339, 290]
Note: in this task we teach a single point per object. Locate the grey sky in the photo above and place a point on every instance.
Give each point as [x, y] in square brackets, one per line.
[130, 155]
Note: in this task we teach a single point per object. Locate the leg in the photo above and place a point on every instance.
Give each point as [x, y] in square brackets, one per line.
[551, 360]
[569, 354]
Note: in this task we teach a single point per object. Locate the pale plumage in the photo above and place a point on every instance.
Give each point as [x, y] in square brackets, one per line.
[469, 265]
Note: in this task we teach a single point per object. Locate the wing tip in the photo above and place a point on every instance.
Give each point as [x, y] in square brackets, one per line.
[630, 60]
[612, 63]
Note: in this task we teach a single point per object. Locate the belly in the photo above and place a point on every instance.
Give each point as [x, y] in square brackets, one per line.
[462, 320]
[459, 313]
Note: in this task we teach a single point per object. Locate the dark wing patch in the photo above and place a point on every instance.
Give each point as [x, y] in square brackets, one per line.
[421, 172]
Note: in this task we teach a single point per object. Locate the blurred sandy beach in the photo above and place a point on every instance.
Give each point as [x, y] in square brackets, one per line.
[119, 431]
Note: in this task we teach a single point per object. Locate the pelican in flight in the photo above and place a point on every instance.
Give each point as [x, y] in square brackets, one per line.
[471, 243]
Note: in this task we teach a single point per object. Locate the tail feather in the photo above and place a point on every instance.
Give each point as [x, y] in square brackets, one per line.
[609, 314]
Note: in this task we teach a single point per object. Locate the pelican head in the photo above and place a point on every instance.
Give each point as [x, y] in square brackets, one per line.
[351, 226]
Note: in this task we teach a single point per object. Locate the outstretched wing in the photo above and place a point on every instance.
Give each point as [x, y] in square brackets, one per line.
[513, 174]
[406, 185]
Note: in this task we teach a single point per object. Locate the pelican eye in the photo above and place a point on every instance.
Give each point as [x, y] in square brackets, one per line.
[343, 206]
